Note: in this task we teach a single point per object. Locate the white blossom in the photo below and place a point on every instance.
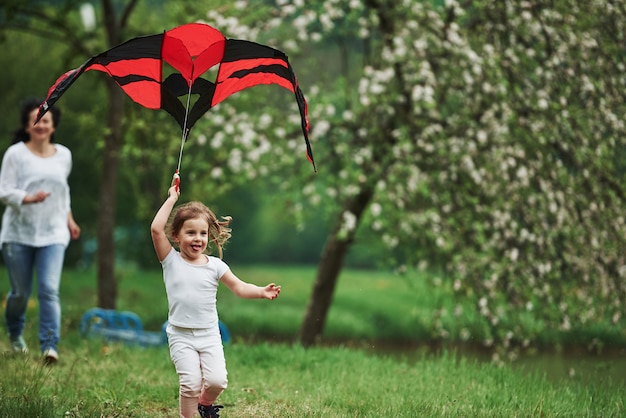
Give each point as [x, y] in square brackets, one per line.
[376, 209]
[349, 221]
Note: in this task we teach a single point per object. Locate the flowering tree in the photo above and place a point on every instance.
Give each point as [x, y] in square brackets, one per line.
[483, 137]
[487, 137]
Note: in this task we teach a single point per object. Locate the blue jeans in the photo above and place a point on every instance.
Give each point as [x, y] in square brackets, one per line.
[47, 262]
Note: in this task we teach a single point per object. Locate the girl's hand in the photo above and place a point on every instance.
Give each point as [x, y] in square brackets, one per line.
[271, 291]
[173, 192]
[176, 181]
[174, 189]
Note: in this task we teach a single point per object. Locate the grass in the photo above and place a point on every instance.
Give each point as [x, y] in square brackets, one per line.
[367, 305]
[281, 379]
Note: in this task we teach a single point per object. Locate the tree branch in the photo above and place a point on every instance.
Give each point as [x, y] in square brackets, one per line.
[128, 10]
[60, 31]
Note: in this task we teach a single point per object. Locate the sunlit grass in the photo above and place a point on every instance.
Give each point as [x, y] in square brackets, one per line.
[281, 379]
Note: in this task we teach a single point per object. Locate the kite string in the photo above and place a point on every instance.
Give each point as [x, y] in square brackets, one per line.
[185, 130]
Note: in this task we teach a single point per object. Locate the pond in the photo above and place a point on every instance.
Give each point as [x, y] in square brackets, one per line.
[608, 367]
[573, 363]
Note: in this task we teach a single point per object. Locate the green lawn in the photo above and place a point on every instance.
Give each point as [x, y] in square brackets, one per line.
[279, 378]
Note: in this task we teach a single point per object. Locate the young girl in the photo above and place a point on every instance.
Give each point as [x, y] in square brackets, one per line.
[191, 278]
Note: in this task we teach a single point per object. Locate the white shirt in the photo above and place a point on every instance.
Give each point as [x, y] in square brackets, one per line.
[35, 224]
[192, 290]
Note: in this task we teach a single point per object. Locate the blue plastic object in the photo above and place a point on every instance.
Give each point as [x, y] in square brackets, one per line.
[224, 332]
[119, 326]
[127, 327]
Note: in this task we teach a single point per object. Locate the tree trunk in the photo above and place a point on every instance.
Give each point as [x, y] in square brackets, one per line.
[107, 283]
[331, 263]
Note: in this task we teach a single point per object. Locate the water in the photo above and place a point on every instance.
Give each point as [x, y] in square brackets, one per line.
[609, 365]
[588, 368]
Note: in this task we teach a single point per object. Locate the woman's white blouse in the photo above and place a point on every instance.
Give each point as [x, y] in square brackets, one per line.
[22, 172]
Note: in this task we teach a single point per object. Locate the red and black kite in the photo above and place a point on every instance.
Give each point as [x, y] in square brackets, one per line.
[191, 49]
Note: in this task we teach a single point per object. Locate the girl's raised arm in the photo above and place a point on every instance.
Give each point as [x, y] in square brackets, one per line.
[161, 243]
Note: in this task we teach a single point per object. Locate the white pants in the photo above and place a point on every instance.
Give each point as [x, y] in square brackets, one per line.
[198, 356]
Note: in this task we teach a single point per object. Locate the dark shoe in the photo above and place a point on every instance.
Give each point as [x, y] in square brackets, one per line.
[211, 411]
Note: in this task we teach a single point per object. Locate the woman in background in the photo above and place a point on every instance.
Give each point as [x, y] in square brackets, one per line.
[37, 225]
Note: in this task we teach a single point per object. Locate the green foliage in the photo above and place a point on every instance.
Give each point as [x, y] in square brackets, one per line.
[488, 133]
[150, 150]
[22, 64]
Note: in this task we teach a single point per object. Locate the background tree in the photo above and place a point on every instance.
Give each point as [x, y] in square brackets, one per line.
[132, 170]
[151, 140]
[492, 169]
[480, 139]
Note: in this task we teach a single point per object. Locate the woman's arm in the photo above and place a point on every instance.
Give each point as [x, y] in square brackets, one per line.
[10, 194]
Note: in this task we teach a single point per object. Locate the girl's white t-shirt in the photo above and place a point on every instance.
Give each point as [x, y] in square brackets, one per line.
[192, 290]
[35, 224]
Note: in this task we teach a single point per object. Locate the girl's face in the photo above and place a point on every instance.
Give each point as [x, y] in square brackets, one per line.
[43, 130]
[192, 239]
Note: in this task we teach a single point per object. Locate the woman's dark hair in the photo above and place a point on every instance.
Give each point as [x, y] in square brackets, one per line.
[28, 106]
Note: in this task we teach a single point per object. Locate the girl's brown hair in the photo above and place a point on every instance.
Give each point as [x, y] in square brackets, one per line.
[219, 232]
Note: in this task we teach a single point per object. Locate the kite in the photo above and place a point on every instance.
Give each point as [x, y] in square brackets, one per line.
[192, 49]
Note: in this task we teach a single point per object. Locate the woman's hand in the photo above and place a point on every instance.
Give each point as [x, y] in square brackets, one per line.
[73, 226]
[40, 196]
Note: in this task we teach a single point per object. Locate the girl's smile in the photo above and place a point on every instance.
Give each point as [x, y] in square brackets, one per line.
[193, 240]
